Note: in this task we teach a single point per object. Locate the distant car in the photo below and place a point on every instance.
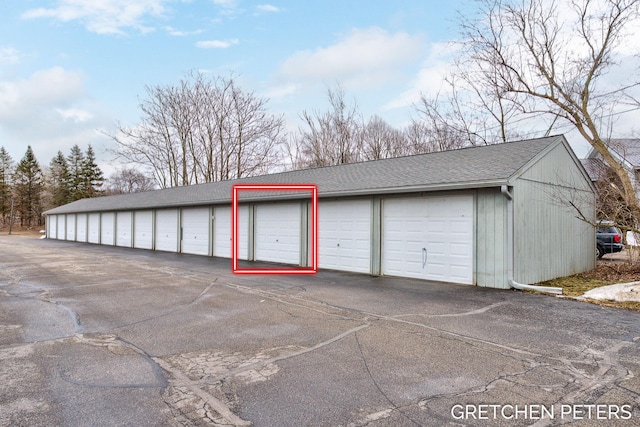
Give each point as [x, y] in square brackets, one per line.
[608, 239]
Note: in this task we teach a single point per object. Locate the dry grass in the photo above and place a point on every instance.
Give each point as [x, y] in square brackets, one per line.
[608, 271]
[17, 231]
[574, 286]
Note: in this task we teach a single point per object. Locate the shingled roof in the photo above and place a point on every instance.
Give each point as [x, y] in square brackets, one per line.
[595, 167]
[473, 167]
[628, 149]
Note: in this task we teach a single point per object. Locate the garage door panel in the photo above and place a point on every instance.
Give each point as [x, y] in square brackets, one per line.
[222, 232]
[436, 250]
[81, 228]
[461, 226]
[52, 232]
[436, 227]
[107, 230]
[344, 237]
[71, 227]
[94, 228]
[61, 227]
[195, 231]
[460, 249]
[143, 229]
[277, 235]
[167, 230]
[123, 229]
[429, 238]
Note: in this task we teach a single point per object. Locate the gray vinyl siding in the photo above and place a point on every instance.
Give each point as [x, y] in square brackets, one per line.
[549, 241]
[491, 239]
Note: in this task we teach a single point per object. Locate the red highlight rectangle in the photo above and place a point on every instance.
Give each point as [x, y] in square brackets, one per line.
[235, 240]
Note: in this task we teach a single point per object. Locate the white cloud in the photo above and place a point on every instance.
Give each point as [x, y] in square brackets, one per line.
[102, 16]
[365, 56]
[42, 90]
[228, 8]
[429, 80]
[226, 3]
[268, 8]
[179, 33]
[9, 56]
[49, 110]
[281, 91]
[217, 44]
[76, 115]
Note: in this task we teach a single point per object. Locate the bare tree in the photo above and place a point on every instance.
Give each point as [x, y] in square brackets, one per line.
[129, 180]
[471, 111]
[417, 137]
[380, 140]
[331, 138]
[202, 130]
[548, 59]
[436, 130]
[293, 154]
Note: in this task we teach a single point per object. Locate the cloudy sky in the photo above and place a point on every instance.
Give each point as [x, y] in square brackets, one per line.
[70, 69]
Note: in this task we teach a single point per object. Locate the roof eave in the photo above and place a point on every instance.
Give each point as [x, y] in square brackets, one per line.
[322, 195]
[417, 189]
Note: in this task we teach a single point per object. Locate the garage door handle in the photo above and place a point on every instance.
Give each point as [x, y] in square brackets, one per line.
[424, 257]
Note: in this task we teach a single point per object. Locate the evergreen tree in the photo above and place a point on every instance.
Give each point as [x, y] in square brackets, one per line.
[59, 180]
[6, 170]
[92, 175]
[28, 186]
[75, 165]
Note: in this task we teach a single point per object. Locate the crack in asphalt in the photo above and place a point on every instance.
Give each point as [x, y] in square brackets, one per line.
[170, 312]
[465, 313]
[42, 295]
[367, 314]
[110, 341]
[585, 383]
[608, 375]
[375, 383]
[263, 363]
[78, 328]
[215, 403]
[196, 386]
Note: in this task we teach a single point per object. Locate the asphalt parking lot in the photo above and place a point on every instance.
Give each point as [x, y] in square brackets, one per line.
[92, 335]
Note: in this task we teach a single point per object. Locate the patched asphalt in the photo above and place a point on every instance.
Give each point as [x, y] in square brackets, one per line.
[103, 336]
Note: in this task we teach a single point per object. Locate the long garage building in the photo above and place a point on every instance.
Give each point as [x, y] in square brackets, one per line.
[488, 216]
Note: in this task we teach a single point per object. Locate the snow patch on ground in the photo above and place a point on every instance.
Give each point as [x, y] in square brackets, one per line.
[618, 292]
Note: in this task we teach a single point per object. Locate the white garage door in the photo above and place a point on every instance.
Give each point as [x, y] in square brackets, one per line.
[167, 230]
[429, 238]
[143, 230]
[52, 232]
[107, 229]
[123, 229]
[222, 232]
[71, 227]
[277, 228]
[81, 228]
[195, 231]
[61, 227]
[94, 228]
[344, 235]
